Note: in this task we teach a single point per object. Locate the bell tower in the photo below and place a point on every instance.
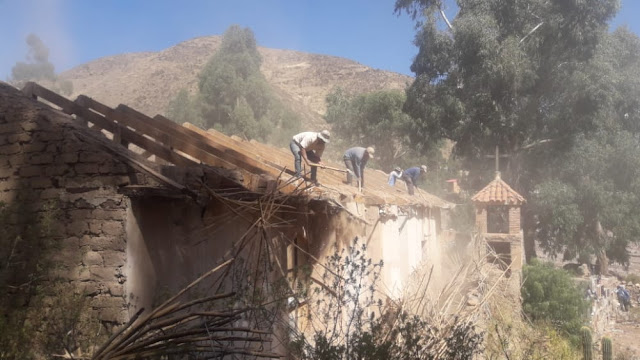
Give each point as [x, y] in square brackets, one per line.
[497, 209]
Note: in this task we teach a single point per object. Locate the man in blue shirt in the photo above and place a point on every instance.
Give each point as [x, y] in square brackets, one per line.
[411, 176]
[355, 159]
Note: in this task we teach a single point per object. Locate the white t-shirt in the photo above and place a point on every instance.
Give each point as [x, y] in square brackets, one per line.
[310, 142]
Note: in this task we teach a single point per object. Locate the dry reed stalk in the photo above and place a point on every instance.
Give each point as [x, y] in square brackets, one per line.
[167, 330]
[449, 307]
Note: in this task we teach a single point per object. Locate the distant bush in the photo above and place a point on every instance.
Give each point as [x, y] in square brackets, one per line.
[550, 295]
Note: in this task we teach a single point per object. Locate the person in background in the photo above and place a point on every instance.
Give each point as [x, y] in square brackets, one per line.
[355, 159]
[624, 298]
[394, 175]
[309, 146]
[411, 176]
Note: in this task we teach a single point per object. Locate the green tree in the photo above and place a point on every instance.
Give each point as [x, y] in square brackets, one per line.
[585, 205]
[184, 108]
[550, 295]
[540, 79]
[590, 206]
[234, 96]
[372, 119]
[496, 77]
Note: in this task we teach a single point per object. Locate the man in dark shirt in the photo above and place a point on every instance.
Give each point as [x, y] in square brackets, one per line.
[355, 159]
[411, 176]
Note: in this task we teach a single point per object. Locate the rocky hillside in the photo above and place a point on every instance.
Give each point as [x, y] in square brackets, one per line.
[148, 81]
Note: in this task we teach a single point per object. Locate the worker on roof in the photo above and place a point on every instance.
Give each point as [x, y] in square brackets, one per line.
[355, 159]
[394, 175]
[309, 146]
[411, 176]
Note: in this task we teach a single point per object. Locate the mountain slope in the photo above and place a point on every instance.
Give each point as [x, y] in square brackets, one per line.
[147, 81]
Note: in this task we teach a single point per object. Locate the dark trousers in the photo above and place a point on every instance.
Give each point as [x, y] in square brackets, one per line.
[350, 166]
[410, 185]
[297, 160]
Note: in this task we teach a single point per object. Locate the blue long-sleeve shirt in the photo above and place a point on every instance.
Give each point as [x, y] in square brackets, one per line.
[356, 155]
[413, 173]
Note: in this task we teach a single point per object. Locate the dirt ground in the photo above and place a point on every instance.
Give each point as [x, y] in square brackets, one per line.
[622, 326]
[626, 339]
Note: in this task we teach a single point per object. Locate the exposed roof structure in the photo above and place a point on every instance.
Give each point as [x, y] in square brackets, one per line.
[377, 191]
[498, 192]
[259, 167]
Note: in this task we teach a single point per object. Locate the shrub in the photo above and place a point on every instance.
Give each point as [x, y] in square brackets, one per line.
[550, 295]
[351, 322]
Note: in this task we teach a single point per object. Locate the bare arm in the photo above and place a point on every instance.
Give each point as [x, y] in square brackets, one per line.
[303, 152]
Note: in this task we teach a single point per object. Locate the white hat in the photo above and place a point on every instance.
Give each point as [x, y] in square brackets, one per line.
[423, 167]
[324, 135]
[371, 151]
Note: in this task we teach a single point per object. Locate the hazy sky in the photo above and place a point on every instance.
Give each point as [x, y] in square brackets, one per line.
[77, 31]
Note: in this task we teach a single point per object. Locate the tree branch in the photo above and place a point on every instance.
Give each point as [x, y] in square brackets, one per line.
[539, 142]
[531, 32]
[447, 20]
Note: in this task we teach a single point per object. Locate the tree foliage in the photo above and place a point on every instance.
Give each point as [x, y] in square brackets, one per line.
[185, 108]
[234, 96]
[489, 82]
[38, 68]
[547, 83]
[587, 202]
[373, 119]
[550, 295]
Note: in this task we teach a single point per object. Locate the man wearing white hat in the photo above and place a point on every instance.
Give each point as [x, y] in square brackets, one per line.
[309, 146]
[412, 175]
[355, 159]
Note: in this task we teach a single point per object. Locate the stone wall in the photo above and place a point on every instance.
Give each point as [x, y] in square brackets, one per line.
[47, 170]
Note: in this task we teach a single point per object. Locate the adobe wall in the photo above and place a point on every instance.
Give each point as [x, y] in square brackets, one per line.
[405, 239]
[53, 175]
[171, 242]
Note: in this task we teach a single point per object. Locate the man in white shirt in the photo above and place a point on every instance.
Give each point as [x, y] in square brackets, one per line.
[309, 146]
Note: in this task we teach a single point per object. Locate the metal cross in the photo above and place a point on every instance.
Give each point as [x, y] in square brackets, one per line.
[497, 156]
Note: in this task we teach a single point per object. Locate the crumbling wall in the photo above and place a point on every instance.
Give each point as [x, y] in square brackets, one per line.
[408, 240]
[49, 172]
[173, 241]
[403, 238]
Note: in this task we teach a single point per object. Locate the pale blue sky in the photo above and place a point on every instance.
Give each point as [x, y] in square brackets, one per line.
[78, 31]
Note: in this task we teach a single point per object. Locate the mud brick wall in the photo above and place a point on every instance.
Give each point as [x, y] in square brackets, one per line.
[47, 169]
[514, 220]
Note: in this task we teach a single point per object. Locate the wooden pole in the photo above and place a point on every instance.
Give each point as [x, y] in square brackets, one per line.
[327, 167]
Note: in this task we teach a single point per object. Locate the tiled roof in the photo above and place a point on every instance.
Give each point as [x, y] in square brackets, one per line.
[498, 192]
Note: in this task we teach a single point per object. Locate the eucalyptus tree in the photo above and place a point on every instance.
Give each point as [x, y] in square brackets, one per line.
[234, 93]
[235, 97]
[372, 119]
[543, 80]
[588, 202]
